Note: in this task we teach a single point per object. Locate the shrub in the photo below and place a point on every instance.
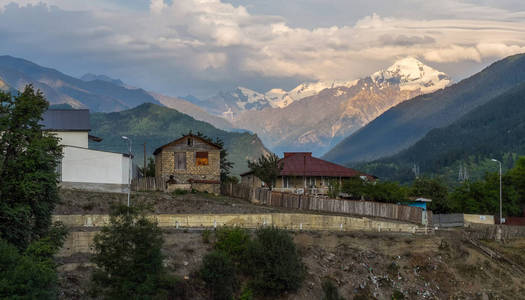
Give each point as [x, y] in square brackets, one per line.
[234, 242]
[274, 262]
[330, 290]
[31, 274]
[206, 236]
[128, 257]
[246, 294]
[218, 271]
[397, 295]
[180, 192]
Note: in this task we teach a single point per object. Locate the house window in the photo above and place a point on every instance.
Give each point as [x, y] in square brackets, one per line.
[285, 182]
[190, 142]
[180, 160]
[201, 158]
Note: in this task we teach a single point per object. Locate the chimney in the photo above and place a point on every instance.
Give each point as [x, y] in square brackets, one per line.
[306, 154]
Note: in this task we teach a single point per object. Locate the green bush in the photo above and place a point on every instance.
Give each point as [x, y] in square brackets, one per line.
[330, 291]
[274, 262]
[129, 259]
[218, 271]
[180, 192]
[397, 295]
[246, 294]
[31, 274]
[234, 242]
[206, 236]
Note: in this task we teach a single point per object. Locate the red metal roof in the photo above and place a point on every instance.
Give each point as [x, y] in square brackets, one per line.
[304, 164]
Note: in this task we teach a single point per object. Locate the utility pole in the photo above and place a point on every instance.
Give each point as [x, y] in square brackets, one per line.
[500, 192]
[130, 165]
[144, 165]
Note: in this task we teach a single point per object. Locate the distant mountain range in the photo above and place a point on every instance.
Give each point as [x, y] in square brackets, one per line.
[157, 125]
[99, 93]
[316, 116]
[92, 77]
[403, 125]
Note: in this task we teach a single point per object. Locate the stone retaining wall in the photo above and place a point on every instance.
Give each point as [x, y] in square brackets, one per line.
[80, 241]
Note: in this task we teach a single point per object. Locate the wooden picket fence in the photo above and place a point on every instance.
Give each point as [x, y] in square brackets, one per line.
[322, 203]
[147, 184]
[237, 190]
[362, 208]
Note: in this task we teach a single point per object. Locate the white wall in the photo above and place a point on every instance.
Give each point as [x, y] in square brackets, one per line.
[72, 138]
[92, 166]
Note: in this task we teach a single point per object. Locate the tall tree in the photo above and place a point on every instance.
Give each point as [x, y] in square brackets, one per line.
[129, 258]
[434, 189]
[28, 162]
[267, 168]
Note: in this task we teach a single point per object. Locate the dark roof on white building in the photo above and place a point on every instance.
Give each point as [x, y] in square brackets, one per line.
[66, 120]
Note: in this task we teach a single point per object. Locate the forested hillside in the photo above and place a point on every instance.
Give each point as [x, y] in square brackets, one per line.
[156, 125]
[403, 125]
[493, 130]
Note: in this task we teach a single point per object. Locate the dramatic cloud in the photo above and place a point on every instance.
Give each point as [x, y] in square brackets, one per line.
[201, 46]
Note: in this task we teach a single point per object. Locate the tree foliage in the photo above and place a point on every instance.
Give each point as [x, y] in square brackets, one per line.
[31, 274]
[150, 169]
[330, 290]
[28, 162]
[379, 191]
[268, 261]
[274, 263]
[434, 189]
[267, 168]
[129, 259]
[218, 271]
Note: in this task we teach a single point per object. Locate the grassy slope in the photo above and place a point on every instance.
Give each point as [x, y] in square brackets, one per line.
[156, 125]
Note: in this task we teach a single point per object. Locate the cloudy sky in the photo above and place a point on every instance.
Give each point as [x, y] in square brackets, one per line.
[180, 47]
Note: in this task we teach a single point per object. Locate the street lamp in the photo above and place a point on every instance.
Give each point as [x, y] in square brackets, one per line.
[130, 163]
[500, 201]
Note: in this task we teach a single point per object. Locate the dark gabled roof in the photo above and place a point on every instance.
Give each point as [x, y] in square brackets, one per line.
[181, 138]
[304, 164]
[66, 120]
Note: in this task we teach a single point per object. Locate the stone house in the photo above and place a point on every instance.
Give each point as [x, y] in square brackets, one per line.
[189, 162]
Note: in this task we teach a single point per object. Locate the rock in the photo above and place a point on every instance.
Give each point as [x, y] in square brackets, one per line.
[185, 263]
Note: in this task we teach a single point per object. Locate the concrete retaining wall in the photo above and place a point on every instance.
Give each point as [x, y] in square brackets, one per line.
[461, 220]
[281, 220]
[95, 187]
[81, 241]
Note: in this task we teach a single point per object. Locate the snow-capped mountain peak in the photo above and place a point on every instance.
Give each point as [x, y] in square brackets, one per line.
[411, 74]
[281, 98]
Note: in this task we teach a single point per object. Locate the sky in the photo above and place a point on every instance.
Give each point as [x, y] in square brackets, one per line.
[201, 47]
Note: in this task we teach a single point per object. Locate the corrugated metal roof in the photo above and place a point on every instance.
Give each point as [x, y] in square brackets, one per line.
[66, 120]
[304, 164]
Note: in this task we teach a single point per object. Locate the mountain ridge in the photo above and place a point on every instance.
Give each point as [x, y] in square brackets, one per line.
[402, 125]
[495, 129]
[317, 123]
[99, 93]
[157, 125]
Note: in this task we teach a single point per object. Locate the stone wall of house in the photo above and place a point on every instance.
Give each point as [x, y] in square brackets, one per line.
[210, 172]
[212, 188]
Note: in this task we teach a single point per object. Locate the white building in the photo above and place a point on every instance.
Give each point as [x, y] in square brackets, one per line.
[83, 168]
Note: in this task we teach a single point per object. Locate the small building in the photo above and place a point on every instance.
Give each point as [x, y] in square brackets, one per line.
[189, 160]
[418, 202]
[81, 167]
[303, 173]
